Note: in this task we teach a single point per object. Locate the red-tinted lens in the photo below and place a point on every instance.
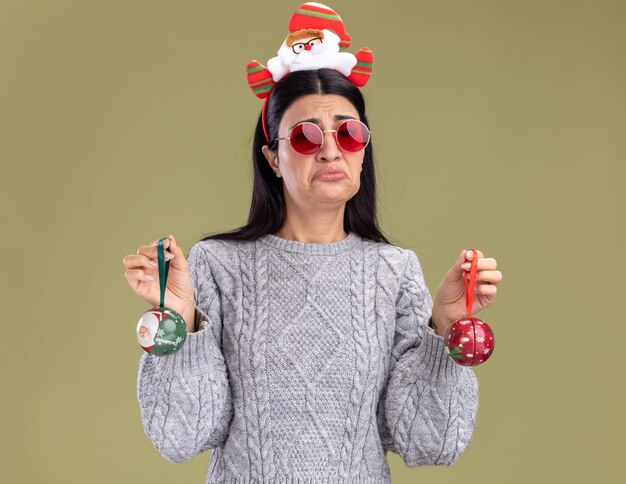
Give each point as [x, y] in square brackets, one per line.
[306, 138]
[352, 135]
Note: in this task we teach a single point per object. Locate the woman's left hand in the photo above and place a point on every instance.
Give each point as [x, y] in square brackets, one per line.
[449, 304]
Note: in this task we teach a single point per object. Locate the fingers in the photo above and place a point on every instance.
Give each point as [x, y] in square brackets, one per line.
[176, 250]
[169, 242]
[486, 263]
[137, 275]
[487, 277]
[179, 262]
[469, 255]
[172, 251]
[147, 256]
[487, 290]
[491, 277]
[151, 251]
[141, 261]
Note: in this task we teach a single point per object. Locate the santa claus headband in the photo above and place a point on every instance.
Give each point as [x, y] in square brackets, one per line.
[317, 39]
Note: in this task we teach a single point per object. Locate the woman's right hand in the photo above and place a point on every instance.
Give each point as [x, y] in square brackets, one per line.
[142, 273]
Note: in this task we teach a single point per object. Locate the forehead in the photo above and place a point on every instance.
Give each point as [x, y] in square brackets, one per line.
[323, 106]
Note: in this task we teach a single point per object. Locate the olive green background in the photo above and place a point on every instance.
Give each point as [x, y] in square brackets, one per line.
[498, 125]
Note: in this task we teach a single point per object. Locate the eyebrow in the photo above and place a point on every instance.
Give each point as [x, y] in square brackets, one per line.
[337, 117]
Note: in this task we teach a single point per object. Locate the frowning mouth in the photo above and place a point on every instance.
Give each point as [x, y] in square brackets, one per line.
[333, 174]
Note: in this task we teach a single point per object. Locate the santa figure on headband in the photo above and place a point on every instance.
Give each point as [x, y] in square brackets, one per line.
[315, 40]
[310, 49]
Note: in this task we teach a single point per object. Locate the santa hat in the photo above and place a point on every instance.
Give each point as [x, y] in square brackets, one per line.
[312, 15]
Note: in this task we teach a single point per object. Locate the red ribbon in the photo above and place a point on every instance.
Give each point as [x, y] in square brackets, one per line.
[469, 294]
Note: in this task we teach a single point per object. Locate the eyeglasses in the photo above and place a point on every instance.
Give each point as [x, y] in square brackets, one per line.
[300, 46]
[307, 138]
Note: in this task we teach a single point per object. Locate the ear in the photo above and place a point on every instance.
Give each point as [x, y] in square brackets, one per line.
[272, 159]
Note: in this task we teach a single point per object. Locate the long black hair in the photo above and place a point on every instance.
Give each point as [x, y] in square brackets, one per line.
[267, 209]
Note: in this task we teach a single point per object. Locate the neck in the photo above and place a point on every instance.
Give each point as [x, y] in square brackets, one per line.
[315, 227]
[311, 236]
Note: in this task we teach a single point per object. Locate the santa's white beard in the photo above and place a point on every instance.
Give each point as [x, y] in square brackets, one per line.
[150, 322]
[146, 339]
[316, 58]
[307, 58]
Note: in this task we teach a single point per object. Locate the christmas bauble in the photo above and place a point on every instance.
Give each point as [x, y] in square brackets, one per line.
[161, 331]
[469, 341]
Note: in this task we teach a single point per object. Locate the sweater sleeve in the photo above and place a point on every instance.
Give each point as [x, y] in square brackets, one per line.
[185, 398]
[431, 402]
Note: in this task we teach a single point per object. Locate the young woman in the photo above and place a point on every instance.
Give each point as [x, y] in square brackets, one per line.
[314, 346]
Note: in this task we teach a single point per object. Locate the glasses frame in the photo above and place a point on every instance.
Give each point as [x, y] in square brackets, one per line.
[304, 44]
[328, 131]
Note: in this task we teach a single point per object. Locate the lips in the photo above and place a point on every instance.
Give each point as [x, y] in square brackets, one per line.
[328, 170]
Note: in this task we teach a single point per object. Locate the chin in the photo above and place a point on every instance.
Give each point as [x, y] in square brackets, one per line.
[333, 196]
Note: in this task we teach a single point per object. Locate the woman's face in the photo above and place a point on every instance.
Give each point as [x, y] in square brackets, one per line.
[299, 171]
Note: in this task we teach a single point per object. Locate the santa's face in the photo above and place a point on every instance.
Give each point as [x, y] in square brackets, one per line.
[146, 329]
[303, 191]
[305, 51]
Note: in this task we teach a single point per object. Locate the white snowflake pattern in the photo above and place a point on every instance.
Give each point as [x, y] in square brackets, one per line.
[486, 350]
[178, 340]
[160, 332]
[480, 339]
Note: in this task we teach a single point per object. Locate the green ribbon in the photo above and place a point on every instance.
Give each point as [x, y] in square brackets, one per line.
[164, 268]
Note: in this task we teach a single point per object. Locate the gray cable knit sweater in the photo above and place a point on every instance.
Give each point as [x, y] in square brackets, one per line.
[312, 361]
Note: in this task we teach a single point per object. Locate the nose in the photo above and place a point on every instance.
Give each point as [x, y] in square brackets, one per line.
[330, 150]
[307, 47]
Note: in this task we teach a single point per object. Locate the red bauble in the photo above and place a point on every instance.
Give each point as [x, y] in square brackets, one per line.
[469, 341]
